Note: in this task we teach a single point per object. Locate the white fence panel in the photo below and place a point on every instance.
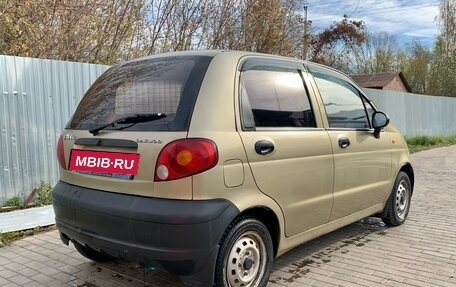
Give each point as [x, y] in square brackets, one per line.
[415, 114]
[37, 97]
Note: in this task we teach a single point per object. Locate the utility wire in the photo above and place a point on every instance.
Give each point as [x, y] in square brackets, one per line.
[338, 2]
[356, 8]
[391, 9]
[397, 10]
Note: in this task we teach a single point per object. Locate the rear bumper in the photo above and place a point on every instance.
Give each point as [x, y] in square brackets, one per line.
[180, 236]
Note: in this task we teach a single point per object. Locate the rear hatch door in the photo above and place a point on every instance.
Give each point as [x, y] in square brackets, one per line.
[124, 120]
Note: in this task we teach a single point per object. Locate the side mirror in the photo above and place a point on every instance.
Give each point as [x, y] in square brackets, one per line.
[379, 121]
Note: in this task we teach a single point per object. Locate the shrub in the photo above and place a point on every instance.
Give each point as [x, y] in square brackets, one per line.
[43, 195]
[15, 201]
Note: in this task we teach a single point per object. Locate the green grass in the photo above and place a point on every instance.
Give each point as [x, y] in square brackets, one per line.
[42, 197]
[8, 237]
[420, 143]
[15, 201]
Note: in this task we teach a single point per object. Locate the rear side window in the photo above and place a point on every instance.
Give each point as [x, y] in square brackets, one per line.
[274, 96]
[166, 85]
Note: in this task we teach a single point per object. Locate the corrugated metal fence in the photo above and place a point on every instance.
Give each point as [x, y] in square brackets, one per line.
[416, 114]
[38, 97]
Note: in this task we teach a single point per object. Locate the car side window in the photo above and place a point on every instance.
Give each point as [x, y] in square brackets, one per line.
[274, 96]
[343, 103]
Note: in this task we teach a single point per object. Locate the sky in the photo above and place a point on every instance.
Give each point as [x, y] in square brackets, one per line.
[408, 20]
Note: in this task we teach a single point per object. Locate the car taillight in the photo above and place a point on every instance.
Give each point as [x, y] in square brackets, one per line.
[61, 153]
[186, 157]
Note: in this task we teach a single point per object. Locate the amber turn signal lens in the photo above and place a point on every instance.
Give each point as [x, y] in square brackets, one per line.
[185, 157]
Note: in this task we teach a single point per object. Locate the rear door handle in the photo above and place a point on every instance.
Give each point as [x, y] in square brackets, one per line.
[264, 147]
[344, 142]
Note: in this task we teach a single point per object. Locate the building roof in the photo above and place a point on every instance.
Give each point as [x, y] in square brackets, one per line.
[379, 80]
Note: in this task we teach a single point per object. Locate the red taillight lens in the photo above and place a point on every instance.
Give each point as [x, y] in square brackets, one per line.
[61, 153]
[184, 158]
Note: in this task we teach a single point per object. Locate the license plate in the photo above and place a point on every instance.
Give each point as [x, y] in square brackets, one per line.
[101, 162]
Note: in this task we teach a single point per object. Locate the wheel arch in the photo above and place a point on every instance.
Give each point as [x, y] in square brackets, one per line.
[408, 169]
[269, 219]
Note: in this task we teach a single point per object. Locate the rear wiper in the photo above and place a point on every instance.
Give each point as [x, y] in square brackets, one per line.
[133, 119]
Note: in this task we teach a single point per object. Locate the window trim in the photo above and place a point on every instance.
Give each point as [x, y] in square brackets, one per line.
[318, 69]
[244, 101]
[184, 111]
[247, 119]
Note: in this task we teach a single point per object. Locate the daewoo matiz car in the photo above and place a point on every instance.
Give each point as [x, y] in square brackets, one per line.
[208, 164]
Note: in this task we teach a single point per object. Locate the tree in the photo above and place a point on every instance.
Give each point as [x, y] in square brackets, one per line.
[110, 31]
[447, 23]
[377, 54]
[443, 69]
[96, 31]
[13, 27]
[219, 27]
[416, 65]
[331, 45]
[269, 26]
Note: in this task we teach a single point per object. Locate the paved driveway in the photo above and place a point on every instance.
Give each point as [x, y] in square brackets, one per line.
[422, 252]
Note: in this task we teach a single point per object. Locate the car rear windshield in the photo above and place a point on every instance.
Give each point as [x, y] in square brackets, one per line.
[167, 86]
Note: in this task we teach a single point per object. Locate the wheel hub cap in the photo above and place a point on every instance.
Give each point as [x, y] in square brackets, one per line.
[243, 264]
[248, 263]
[401, 200]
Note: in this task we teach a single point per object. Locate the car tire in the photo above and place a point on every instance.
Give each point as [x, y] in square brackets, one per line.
[398, 204]
[91, 254]
[245, 256]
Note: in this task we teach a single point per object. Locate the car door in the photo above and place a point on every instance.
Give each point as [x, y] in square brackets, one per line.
[362, 163]
[288, 150]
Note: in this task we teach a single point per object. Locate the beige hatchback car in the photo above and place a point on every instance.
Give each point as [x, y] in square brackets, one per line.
[208, 164]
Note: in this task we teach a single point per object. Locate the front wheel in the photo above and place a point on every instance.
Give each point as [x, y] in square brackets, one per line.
[398, 204]
[245, 256]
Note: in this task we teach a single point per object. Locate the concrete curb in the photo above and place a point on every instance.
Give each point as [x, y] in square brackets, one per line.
[26, 219]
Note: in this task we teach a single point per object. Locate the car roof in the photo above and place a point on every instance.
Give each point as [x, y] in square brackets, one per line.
[241, 54]
[210, 53]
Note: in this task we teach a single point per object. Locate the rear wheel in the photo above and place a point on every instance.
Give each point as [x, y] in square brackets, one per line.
[91, 254]
[245, 256]
[398, 205]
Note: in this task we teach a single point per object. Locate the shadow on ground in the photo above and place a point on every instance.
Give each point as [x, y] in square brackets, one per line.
[313, 254]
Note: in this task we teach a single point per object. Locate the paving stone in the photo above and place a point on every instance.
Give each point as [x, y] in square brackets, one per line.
[6, 273]
[26, 271]
[34, 284]
[41, 278]
[20, 279]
